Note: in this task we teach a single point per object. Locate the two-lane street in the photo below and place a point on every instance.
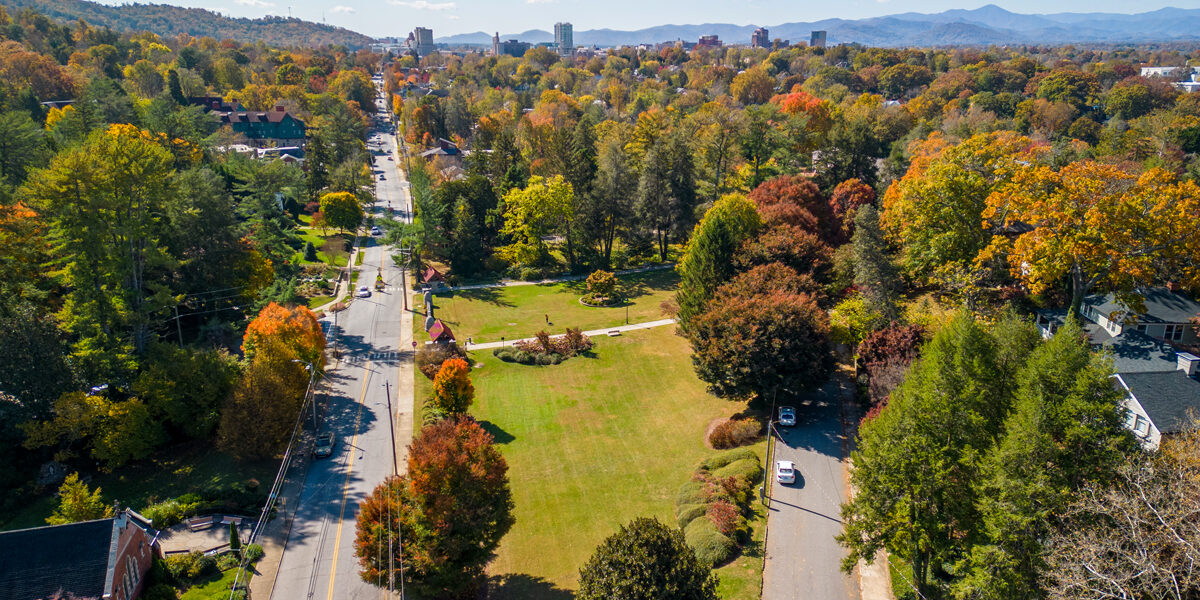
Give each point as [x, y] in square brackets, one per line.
[803, 559]
[375, 340]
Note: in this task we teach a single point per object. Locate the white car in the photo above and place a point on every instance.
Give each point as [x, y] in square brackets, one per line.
[376, 230]
[785, 471]
[363, 292]
[787, 416]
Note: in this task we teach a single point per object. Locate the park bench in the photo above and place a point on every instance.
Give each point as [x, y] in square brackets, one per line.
[198, 523]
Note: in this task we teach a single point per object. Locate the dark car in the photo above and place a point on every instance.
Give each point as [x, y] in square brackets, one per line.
[324, 445]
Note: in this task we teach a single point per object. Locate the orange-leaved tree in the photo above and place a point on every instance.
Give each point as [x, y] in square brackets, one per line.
[452, 388]
[1099, 226]
[296, 329]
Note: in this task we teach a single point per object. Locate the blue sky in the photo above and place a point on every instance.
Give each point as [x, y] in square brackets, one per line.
[448, 17]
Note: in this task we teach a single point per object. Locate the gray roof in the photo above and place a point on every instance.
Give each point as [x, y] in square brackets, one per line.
[1162, 306]
[1058, 316]
[1166, 397]
[1136, 352]
[38, 563]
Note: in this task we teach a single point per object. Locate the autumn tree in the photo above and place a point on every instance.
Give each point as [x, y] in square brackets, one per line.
[752, 86]
[796, 200]
[77, 503]
[708, 260]
[789, 245]
[1098, 225]
[296, 330]
[258, 418]
[759, 339]
[849, 196]
[452, 388]
[451, 508]
[342, 210]
[646, 560]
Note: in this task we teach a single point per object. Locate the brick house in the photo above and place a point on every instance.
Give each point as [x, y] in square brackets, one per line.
[105, 559]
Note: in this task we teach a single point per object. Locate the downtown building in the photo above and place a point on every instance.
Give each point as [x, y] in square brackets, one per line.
[564, 39]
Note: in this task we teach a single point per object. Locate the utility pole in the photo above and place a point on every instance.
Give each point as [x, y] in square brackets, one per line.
[391, 425]
[178, 327]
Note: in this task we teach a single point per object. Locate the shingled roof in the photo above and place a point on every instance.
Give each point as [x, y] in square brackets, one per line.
[63, 559]
[1167, 398]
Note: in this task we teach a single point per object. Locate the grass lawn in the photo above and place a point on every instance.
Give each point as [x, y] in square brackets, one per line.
[592, 443]
[330, 248]
[515, 312]
[316, 301]
[177, 470]
[216, 588]
[741, 579]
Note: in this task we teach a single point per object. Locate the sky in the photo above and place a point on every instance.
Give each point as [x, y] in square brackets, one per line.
[379, 18]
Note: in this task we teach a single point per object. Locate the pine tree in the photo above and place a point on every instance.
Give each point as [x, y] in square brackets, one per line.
[78, 503]
[708, 261]
[874, 273]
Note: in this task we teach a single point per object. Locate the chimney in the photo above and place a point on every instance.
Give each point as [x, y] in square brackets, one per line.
[278, 108]
[1188, 363]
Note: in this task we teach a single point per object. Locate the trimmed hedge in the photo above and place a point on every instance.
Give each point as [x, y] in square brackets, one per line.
[748, 468]
[690, 512]
[725, 458]
[691, 492]
[734, 433]
[711, 546]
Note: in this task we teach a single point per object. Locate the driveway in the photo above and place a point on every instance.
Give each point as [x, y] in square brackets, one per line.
[803, 559]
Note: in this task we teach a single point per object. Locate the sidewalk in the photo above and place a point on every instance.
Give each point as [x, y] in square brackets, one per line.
[274, 535]
[594, 332]
[514, 283]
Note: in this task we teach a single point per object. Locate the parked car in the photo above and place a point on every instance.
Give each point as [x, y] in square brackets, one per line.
[381, 177]
[376, 230]
[363, 292]
[785, 471]
[787, 416]
[324, 446]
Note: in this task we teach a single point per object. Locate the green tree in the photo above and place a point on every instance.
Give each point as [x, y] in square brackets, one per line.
[259, 415]
[353, 85]
[543, 208]
[917, 467]
[22, 145]
[708, 261]
[1064, 433]
[77, 503]
[609, 207]
[342, 210]
[874, 273]
[235, 541]
[646, 560]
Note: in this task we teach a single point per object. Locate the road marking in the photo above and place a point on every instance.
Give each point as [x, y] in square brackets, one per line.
[346, 485]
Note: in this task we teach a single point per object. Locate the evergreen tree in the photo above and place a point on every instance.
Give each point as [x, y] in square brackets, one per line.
[874, 273]
[646, 560]
[708, 261]
[609, 207]
[656, 207]
[77, 503]
[467, 254]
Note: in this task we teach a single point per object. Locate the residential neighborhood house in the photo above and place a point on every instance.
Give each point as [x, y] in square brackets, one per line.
[275, 127]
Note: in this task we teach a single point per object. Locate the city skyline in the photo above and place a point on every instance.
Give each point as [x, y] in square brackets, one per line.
[395, 18]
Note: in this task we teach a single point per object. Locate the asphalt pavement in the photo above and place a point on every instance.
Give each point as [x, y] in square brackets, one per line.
[374, 336]
[803, 559]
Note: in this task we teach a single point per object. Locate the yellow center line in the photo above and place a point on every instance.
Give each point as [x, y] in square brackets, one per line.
[349, 468]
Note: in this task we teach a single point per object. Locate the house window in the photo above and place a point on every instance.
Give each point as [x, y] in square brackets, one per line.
[1141, 328]
[1142, 426]
[1173, 332]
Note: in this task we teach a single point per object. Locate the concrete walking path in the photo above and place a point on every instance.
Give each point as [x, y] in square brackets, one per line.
[514, 283]
[594, 332]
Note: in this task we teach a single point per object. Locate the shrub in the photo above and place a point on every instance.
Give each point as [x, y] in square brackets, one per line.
[749, 469]
[523, 357]
[711, 546]
[734, 489]
[430, 358]
[310, 252]
[227, 561]
[190, 566]
[160, 591]
[545, 359]
[691, 492]
[253, 552]
[204, 565]
[725, 516]
[531, 274]
[724, 458]
[170, 512]
[734, 432]
[689, 512]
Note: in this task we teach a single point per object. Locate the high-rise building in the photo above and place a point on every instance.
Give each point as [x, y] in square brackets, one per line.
[760, 38]
[564, 39]
[422, 41]
[496, 44]
[817, 40]
[709, 41]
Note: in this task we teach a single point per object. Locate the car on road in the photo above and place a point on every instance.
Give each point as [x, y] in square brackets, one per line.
[324, 446]
[376, 230]
[381, 178]
[787, 416]
[363, 292]
[785, 471]
[389, 158]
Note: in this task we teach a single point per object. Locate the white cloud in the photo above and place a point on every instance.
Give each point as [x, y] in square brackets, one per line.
[343, 9]
[424, 4]
[261, 3]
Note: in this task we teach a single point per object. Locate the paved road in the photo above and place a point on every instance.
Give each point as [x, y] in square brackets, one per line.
[375, 335]
[803, 559]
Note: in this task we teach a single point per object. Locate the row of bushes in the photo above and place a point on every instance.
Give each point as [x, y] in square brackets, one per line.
[734, 433]
[430, 358]
[712, 507]
[512, 354]
[239, 498]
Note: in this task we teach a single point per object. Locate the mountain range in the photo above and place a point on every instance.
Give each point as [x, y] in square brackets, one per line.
[166, 20]
[986, 25]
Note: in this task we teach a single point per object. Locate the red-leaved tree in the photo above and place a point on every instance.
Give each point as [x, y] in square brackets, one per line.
[796, 200]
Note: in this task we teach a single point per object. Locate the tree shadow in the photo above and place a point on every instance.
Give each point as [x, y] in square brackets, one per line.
[501, 436]
[525, 587]
[491, 295]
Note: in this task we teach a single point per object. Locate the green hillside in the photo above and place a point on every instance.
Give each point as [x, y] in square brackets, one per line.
[170, 21]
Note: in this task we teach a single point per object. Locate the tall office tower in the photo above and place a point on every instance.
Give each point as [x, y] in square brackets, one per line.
[760, 38]
[564, 40]
[817, 40]
[423, 41]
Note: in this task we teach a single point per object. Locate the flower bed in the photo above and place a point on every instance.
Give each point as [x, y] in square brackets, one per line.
[545, 350]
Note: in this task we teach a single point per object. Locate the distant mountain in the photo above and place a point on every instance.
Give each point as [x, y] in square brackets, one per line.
[173, 20]
[986, 25]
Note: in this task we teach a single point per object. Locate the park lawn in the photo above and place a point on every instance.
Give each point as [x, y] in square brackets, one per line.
[591, 444]
[520, 311]
[176, 470]
[216, 588]
[330, 248]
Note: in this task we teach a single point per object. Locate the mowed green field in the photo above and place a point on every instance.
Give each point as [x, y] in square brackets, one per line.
[592, 443]
[520, 311]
